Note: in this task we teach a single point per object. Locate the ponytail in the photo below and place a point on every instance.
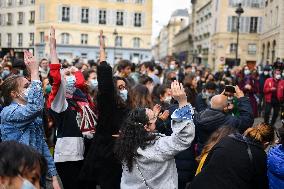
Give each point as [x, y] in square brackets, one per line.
[261, 133]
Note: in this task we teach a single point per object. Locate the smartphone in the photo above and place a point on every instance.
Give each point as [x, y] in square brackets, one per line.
[230, 89]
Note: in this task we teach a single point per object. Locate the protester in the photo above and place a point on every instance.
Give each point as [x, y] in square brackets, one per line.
[100, 166]
[212, 118]
[203, 99]
[148, 159]
[190, 86]
[140, 97]
[150, 70]
[212, 141]
[44, 68]
[275, 162]
[237, 161]
[64, 110]
[21, 118]
[273, 95]
[21, 167]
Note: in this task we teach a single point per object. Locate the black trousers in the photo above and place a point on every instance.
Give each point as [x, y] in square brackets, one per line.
[267, 111]
[68, 173]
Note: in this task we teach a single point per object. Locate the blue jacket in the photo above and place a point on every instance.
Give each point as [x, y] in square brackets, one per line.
[275, 167]
[23, 123]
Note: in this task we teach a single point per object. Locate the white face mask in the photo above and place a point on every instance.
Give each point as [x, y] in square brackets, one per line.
[168, 99]
[247, 72]
[266, 72]
[193, 70]
[93, 83]
[278, 76]
[172, 67]
[123, 94]
[27, 185]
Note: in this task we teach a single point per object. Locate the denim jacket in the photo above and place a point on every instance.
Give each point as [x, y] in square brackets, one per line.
[23, 123]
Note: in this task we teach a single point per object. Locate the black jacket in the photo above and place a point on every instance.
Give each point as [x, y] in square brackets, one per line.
[100, 165]
[228, 166]
[200, 103]
[209, 120]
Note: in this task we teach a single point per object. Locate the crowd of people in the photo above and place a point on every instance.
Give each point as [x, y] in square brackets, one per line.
[146, 126]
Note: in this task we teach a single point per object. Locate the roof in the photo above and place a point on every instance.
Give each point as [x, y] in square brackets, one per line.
[180, 12]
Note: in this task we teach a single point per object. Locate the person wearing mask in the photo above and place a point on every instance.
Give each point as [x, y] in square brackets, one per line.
[21, 167]
[273, 96]
[44, 68]
[90, 76]
[214, 117]
[148, 159]
[147, 82]
[21, 118]
[7, 68]
[100, 166]
[275, 162]
[262, 78]
[175, 67]
[203, 99]
[237, 161]
[250, 86]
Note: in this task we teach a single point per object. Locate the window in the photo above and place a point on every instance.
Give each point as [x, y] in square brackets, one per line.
[65, 38]
[121, 1]
[21, 2]
[102, 16]
[32, 17]
[255, 4]
[139, 1]
[65, 14]
[84, 39]
[9, 37]
[233, 47]
[32, 2]
[119, 18]
[136, 42]
[32, 39]
[21, 17]
[137, 19]
[20, 39]
[10, 19]
[85, 15]
[41, 34]
[84, 55]
[232, 23]
[253, 24]
[118, 41]
[10, 2]
[251, 48]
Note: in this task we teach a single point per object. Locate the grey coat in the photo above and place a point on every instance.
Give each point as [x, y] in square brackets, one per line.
[156, 162]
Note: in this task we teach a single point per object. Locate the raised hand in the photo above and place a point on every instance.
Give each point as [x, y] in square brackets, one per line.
[31, 65]
[52, 45]
[156, 110]
[102, 47]
[178, 93]
[239, 93]
[164, 116]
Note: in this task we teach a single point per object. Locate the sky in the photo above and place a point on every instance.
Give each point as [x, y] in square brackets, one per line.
[162, 10]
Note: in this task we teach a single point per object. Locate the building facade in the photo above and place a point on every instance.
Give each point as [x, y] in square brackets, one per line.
[17, 25]
[272, 37]
[224, 34]
[127, 26]
[183, 44]
[201, 11]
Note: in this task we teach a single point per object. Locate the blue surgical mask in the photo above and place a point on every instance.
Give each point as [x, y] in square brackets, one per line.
[94, 83]
[247, 72]
[123, 94]
[25, 94]
[27, 185]
[5, 73]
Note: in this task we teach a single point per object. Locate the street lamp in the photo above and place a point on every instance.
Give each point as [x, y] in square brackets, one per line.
[114, 47]
[239, 11]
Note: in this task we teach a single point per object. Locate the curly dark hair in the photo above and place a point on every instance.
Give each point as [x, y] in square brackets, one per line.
[132, 136]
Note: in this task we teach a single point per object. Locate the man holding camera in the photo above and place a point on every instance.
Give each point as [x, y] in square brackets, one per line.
[212, 118]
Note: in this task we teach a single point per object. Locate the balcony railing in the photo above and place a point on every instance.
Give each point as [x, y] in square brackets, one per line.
[20, 22]
[31, 21]
[9, 23]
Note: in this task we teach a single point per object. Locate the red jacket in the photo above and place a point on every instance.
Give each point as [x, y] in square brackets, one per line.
[268, 85]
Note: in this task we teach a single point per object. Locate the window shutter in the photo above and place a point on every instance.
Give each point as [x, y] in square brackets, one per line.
[259, 25]
[230, 3]
[230, 24]
[59, 13]
[131, 19]
[262, 4]
[143, 19]
[125, 16]
[41, 12]
[247, 24]
[242, 24]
